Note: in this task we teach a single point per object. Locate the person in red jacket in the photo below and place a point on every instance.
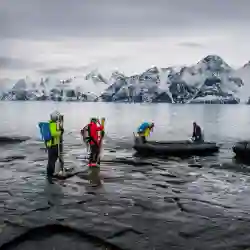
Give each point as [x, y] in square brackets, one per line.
[91, 136]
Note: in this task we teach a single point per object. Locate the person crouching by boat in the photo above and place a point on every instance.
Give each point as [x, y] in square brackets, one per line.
[91, 137]
[53, 145]
[197, 133]
[144, 131]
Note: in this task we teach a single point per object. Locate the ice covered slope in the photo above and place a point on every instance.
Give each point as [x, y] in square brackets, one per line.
[244, 74]
[209, 77]
[71, 89]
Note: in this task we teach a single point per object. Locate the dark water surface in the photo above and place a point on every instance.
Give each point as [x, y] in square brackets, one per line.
[195, 203]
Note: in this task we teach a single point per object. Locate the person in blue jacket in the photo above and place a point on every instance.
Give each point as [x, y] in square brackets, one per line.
[144, 130]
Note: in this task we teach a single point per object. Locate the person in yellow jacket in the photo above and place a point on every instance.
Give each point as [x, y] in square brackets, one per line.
[53, 145]
[144, 131]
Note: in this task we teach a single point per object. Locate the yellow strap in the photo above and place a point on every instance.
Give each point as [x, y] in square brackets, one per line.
[103, 122]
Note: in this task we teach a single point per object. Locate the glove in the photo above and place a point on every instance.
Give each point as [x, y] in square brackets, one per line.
[102, 133]
[87, 139]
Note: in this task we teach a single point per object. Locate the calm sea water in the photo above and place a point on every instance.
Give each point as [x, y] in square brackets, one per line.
[221, 123]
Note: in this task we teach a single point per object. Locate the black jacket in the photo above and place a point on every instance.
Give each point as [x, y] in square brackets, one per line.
[197, 134]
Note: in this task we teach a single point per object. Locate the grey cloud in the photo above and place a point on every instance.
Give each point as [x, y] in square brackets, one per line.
[59, 70]
[88, 67]
[54, 71]
[59, 18]
[191, 44]
[15, 63]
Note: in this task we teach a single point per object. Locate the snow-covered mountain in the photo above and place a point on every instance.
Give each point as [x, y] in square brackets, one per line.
[211, 80]
[244, 74]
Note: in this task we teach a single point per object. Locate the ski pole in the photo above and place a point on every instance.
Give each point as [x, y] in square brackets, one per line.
[60, 144]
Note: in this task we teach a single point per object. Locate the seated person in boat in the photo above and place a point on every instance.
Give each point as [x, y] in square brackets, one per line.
[197, 133]
[144, 131]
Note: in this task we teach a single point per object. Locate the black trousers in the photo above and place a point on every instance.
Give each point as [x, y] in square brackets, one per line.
[52, 158]
[143, 139]
[94, 153]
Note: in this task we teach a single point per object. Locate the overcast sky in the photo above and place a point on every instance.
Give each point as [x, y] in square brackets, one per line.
[49, 36]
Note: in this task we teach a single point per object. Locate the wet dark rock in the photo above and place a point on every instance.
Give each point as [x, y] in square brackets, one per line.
[195, 165]
[70, 93]
[218, 101]
[8, 234]
[12, 158]
[130, 162]
[142, 204]
[55, 234]
[163, 97]
[8, 140]
[181, 91]
[161, 185]
[168, 175]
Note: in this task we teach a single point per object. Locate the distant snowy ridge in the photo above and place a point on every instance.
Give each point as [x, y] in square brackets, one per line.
[211, 80]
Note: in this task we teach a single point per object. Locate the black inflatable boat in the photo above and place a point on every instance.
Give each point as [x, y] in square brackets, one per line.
[242, 149]
[175, 148]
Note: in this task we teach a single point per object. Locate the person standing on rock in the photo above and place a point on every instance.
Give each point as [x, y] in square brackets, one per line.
[92, 135]
[52, 132]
